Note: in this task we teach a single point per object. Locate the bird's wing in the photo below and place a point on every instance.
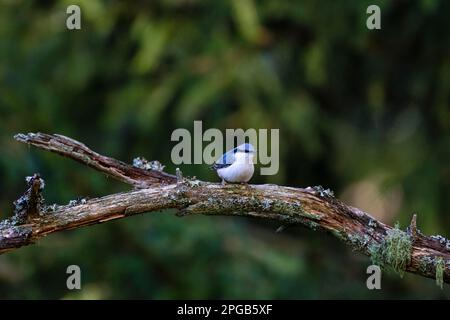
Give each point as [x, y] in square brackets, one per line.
[224, 161]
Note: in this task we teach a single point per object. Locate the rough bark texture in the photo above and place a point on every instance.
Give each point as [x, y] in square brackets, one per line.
[156, 190]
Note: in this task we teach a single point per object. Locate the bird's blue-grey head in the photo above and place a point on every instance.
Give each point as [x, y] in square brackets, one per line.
[245, 148]
[229, 157]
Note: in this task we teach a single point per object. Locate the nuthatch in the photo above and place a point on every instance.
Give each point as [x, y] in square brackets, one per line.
[236, 165]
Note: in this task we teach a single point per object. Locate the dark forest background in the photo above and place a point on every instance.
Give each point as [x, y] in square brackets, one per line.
[363, 112]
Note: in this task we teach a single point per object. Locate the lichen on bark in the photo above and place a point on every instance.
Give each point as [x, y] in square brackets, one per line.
[394, 251]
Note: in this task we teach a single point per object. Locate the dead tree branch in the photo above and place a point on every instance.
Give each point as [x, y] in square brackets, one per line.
[155, 190]
[119, 170]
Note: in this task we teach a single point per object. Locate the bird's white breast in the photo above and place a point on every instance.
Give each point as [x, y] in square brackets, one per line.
[240, 171]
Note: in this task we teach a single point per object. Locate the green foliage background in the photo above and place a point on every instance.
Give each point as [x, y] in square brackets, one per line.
[363, 112]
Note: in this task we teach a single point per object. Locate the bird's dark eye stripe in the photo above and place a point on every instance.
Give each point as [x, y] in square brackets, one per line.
[247, 151]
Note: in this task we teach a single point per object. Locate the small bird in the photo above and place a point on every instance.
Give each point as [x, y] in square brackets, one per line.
[236, 165]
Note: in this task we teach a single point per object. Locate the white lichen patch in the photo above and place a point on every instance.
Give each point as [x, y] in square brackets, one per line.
[442, 240]
[194, 183]
[179, 175]
[142, 163]
[321, 191]
[373, 223]
[266, 204]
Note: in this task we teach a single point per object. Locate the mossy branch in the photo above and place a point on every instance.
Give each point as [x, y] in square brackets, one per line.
[155, 190]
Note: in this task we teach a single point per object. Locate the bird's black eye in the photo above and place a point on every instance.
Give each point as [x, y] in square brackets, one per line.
[246, 151]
